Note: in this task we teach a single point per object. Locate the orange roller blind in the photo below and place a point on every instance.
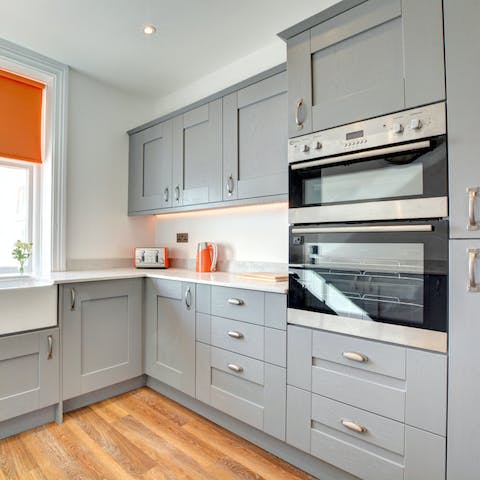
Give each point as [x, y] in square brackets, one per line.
[21, 102]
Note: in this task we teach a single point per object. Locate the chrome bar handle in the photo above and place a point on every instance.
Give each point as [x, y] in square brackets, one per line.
[355, 356]
[50, 347]
[235, 301]
[235, 334]
[473, 286]
[235, 368]
[229, 185]
[73, 299]
[297, 113]
[188, 298]
[165, 194]
[472, 194]
[177, 193]
[351, 425]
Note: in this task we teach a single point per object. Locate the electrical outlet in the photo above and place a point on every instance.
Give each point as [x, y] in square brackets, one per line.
[182, 237]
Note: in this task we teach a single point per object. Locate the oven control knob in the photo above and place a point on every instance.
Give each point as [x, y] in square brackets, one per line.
[317, 145]
[305, 148]
[415, 124]
[397, 128]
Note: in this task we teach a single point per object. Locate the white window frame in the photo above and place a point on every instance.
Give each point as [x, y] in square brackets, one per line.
[49, 179]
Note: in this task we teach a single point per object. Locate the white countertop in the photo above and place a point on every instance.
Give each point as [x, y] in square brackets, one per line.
[223, 279]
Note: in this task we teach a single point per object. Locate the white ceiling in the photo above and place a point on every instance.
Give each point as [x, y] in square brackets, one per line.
[104, 38]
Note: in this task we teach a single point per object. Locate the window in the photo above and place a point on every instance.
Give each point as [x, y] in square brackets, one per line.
[33, 177]
[16, 187]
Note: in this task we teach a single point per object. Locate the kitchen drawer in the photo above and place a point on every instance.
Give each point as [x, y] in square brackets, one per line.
[238, 304]
[254, 393]
[240, 337]
[374, 393]
[379, 431]
[379, 358]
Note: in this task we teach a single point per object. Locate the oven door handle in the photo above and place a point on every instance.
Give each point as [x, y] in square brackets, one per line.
[365, 229]
[363, 154]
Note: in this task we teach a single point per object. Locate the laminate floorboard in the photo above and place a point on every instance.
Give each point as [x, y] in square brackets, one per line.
[140, 435]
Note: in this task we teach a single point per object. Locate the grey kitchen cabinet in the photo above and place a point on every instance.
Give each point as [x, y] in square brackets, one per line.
[254, 140]
[197, 155]
[464, 370]
[463, 103]
[102, 334]
[29, 372]
[373, 418]
[375, 58]
[150, 168]
[170, 333]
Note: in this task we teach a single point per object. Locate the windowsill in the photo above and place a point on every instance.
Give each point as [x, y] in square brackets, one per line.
[15, 281]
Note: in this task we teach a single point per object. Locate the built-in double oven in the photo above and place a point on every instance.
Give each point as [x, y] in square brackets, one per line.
[368, 218]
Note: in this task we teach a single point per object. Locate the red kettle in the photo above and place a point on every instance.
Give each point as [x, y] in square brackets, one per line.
[207, 254]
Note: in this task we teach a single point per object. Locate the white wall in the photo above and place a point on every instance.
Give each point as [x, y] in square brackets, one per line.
[97, 223]
[256, 233]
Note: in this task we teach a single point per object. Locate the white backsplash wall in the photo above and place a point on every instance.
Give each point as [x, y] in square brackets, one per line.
[254, 234]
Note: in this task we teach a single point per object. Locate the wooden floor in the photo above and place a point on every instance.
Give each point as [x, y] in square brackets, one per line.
[138, 435]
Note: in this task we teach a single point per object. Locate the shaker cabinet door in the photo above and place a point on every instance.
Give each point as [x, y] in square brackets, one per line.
[254, 138]
[463, 102]
[102, 342]
[378, 57]
[150, 169]
[197, 174]
[170, 333]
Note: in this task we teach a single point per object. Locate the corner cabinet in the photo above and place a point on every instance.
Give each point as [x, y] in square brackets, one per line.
[102, 334]
[254, 140]
[150, 169]
[170, 333]
[377, 57]
[29, 372]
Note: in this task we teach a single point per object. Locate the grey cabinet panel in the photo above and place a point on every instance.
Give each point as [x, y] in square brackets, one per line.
[239, 304]
[243, 387]
[255, 134]
[203, 327]
[299, 68]
[378, 57]
[425, 456]
[463, 105]
[197, 153]
[29, 376]
[276, 310]
[424, 384]
[170, 334]
[276, 347]
[101, 335]
[150, 168]
[203, 298]
[463, 369]
[299, 415]
[299, 357]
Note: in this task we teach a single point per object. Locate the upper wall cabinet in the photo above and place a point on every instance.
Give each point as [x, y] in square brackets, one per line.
[377, 57]
[150, 168]
[197, 155]
[254, 140]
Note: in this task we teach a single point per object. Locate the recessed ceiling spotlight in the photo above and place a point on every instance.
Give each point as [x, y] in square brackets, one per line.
[149, 29]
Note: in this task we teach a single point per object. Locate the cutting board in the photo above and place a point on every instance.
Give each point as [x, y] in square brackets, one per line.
[267, 276]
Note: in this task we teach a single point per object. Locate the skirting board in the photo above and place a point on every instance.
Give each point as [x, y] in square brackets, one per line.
[27, 421]
[299, 459]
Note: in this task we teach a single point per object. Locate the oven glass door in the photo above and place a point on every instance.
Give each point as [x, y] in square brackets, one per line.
[390, 273]
[417, 173]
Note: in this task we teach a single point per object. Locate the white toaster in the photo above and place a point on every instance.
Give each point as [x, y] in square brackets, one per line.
[151, 257]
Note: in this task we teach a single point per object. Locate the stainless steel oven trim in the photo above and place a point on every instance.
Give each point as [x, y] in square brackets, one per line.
[384, 332]
[365, 154]
[366, 229]
[434, 207]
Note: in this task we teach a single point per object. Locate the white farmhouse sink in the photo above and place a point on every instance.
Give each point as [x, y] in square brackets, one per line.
[27, 304]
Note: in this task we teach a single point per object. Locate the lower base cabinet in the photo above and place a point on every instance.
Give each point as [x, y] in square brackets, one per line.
[170, 333]
[102, 334]
[250, 390]
[29, 372]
